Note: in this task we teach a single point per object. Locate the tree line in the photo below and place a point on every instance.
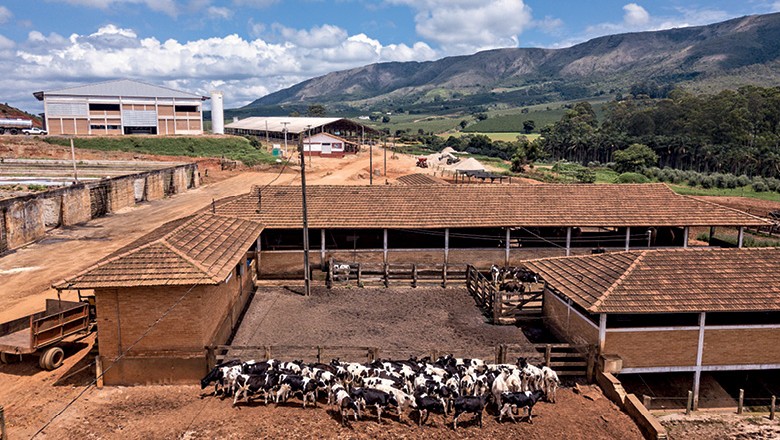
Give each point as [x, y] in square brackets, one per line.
[734, 131]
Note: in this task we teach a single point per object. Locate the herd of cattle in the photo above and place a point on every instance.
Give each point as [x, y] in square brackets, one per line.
[447, 385]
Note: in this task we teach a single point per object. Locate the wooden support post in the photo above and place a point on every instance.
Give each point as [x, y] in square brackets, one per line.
[384, 249]
[257, 247]
[508, 237]
[322, 247]
[446, 245]
[741, 236]
[329, 279]
[211, 357]
[628, 237]
[712, 232]
[3, 433]
[497, 301]
[646, 400]
[267, 352]
[699, 357]
[319, 354]
[568, 241]
[686, 232]
[689, 406]
[503, 353]
[444, 276]
[772, 408]
[387, 276]
[498, 354]
[99, 371]
[741, 401]
[414, 275]
[547, 355]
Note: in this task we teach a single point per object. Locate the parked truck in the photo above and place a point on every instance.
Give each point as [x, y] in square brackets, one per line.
[14, 126]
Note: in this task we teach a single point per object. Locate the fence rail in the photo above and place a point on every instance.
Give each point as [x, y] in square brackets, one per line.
[755, 404]
[565, 359]
[503, 307]
[385, 274]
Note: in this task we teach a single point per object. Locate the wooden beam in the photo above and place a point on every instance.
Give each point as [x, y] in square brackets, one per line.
[384, 248]
[699, 357]
[686, 232]
[508, 236]
[628, 237]
[602, 331]
[322, 247]
[446, 246]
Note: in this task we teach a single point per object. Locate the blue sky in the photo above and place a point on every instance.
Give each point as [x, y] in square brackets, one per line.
[249, 48]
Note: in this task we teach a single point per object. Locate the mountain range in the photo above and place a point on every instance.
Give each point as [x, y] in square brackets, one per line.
[707, 58]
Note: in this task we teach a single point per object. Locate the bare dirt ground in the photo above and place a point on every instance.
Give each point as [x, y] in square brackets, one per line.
[399, 321]
[747, 204]
[720, 426]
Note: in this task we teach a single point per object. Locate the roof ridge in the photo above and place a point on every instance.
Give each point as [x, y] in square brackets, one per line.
[189, 260]
[618, 281]
[109, 81]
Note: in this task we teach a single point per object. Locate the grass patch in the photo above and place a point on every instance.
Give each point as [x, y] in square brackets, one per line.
[233, 147]
[745, 191]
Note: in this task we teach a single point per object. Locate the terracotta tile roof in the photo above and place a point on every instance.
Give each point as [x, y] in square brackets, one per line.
[668, 280]
[420, 179]
[442, 206]
[201, 249]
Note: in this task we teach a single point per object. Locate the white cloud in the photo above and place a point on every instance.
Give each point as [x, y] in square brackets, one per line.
[255, 3]
[219, 12]
[635, 15]
[245, 69]
[169, 7]
[5, 14]
[548, 25]
[318, 36]
[466, 26]
[775, 7]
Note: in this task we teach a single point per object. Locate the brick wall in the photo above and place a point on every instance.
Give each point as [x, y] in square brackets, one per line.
[76, 206]
[653, 348]
[155, 189]
[121, 194]
[52, 211]
[179, 180]
[741, 346]
[24, 222]
[566, 323]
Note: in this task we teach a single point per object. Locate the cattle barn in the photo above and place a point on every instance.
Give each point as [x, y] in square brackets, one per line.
[122, 107]
[196, 271]
[208, 262]
[333, 137]
[470, 224]
[694, 310]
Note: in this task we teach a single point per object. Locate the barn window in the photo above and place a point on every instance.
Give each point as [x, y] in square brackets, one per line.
[187, 108]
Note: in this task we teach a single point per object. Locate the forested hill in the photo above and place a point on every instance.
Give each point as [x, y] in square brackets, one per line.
[708, 58]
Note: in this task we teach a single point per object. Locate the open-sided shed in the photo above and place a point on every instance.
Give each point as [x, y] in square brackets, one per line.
[671, 310]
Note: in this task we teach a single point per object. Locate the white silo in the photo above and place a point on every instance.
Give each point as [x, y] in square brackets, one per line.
[217, 113]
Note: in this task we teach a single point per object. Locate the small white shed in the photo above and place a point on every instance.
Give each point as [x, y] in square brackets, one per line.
[325, 144]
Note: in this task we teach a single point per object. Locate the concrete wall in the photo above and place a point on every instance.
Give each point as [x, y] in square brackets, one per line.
[650, 426]
[566, 323]
[26, 218]
[653, 348]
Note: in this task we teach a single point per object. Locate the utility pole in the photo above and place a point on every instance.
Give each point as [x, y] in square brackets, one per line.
[384, 139]
[73, 158]
[284, 130]
[267, 143]
[306, 281]
[370, 156]
[308, 136]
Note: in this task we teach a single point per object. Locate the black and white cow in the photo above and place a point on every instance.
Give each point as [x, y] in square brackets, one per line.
[217, 375]
[519, 400]
[297, 384]
[468, 404]
[428, 404]
[376, 398]
[344, 401]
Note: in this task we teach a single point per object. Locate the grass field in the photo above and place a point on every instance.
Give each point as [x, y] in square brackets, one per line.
[232, 147]
[745, 191]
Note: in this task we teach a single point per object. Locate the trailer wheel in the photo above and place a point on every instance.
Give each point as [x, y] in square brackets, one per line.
[52, 358]
[2, 130]
[14, 131]
[8, 358]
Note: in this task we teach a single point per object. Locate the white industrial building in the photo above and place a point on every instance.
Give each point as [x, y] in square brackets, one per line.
[122, 107]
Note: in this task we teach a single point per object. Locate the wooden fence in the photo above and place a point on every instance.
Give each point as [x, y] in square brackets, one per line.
[565, 359]
[503, 307]
[385, 275]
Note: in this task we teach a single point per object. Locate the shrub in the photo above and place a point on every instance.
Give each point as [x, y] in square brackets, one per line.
[743, 180]
[759, 186]
[631, 178]
[731, 181]
[586, 175]
[707, 182]
[694, 179]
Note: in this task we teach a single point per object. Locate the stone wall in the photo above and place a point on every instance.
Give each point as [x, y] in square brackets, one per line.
[26, 218]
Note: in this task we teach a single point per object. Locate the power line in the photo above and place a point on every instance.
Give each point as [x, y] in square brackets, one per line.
[122, 355]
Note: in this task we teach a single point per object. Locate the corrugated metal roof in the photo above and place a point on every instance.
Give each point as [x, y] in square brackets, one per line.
[122, 87]
[668, 280]
[276, 124]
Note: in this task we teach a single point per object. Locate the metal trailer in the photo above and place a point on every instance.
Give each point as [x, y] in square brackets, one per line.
[41, 332]
[14, 126]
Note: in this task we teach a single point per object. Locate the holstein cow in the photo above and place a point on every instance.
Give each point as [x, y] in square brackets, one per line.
[217, 375]
[468, 404]
[427, 404]
[345, 403]
[370, 397]
[296, 384]
[550, 383]
[521, 400]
